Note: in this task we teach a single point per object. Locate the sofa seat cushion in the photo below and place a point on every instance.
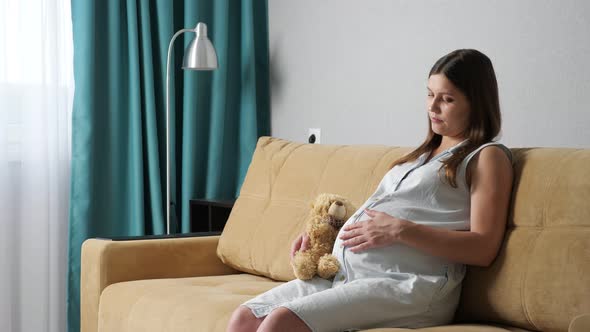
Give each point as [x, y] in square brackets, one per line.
[201, 304]
[457, 328]
[182, 304]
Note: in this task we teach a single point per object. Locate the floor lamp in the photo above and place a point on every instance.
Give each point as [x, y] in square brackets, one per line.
[199, 55]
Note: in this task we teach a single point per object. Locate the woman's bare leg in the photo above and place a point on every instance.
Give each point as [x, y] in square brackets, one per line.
[243, 320]
[283, 319]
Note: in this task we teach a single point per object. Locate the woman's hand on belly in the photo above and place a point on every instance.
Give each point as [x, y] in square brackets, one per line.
[380, 230]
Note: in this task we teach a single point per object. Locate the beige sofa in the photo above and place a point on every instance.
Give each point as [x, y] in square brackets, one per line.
[540, 280]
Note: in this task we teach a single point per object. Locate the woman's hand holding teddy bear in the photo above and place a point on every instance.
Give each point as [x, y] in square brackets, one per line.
[300, 243]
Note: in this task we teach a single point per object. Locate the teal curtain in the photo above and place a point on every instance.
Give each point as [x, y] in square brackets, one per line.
[118, 184]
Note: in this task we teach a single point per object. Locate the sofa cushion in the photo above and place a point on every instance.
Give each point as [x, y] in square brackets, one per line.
[456, 328]
[541, 277]
[282, 180]
[199, 304]
[182, 304]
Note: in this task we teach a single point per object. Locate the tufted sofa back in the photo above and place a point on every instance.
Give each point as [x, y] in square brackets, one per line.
[540, 279]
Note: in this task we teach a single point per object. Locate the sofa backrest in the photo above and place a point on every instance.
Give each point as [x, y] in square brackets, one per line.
[540, 279]
[283, 179]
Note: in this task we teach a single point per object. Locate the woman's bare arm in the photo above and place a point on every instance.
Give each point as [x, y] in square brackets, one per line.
[491, 186]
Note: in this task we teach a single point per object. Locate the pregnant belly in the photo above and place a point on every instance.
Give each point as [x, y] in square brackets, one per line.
[390, 260]
[385, 261]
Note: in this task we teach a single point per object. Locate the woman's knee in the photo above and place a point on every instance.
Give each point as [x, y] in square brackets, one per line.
[283, 319]
[243, 320]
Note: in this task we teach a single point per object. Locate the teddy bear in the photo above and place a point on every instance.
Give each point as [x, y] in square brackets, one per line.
[328, 213]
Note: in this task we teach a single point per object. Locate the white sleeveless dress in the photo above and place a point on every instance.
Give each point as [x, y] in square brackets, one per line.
[397, 285]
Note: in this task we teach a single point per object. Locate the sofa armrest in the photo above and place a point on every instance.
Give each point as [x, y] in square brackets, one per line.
[580, 323]
[105, 262]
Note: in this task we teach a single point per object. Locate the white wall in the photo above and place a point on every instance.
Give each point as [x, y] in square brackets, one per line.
[358, 69]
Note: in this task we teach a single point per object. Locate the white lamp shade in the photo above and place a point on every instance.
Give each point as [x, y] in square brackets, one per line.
[200, 54]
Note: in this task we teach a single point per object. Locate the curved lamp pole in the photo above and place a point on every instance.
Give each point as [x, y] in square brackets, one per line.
[199, 55]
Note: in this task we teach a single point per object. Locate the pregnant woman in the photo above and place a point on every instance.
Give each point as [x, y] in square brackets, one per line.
[439, 208]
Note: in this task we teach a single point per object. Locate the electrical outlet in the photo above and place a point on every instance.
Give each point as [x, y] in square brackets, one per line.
[314, 135]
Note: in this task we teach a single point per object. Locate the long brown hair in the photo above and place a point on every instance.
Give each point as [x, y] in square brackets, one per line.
[472, 73]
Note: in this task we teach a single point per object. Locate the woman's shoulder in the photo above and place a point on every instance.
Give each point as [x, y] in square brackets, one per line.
[489, 157]
[494, 150]
[496, 154]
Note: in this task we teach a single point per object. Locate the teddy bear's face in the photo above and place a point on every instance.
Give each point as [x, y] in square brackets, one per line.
[336, 215]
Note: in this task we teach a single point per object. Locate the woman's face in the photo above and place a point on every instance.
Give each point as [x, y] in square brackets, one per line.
[448, 108]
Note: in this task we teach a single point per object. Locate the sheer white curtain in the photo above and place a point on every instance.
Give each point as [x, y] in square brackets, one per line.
[36, 89]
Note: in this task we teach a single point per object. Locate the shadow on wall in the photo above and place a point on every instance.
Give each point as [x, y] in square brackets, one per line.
[276, 73]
